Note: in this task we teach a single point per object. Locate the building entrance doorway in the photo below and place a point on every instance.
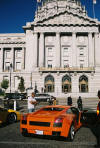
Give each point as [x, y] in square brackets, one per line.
[49, 84]
[83, 84]
[66, 84]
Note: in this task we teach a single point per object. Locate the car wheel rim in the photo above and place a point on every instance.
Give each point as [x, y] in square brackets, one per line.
[72, 132]
[12, 118]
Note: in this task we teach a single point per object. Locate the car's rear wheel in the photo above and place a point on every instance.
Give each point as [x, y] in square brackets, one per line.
[25, 133]
[12, 117]
[71, 133]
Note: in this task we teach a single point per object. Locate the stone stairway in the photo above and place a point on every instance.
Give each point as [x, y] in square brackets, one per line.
[87, 102]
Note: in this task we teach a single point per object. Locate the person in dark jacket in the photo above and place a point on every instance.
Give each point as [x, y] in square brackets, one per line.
[79, 103]
[69, 101]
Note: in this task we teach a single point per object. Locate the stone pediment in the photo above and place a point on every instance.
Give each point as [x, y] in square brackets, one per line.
[66, 18]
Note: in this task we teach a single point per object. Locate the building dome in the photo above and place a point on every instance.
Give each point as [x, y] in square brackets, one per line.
[53, 7]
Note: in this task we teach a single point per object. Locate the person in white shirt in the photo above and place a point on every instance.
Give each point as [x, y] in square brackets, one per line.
[31, 103]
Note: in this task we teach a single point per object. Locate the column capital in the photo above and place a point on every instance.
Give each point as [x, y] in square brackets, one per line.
[89, 33]
[58, 33]
[41, 32]
[74, 33]
[35, 33]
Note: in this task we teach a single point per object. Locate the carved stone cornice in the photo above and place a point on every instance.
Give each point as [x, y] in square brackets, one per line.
[12, 42]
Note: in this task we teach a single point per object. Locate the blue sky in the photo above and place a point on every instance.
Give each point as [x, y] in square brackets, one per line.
[15, 13]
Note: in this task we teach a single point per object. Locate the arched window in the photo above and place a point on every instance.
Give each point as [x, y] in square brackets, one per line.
[83, 84]
[66, 84]
[49, 83]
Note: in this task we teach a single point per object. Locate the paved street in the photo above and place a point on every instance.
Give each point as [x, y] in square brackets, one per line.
[10, 137]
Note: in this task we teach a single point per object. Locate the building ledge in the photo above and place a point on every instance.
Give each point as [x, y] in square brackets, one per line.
[67, 69]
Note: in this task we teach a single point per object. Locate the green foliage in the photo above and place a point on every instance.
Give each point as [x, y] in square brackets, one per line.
[2, 93]
[5, 84]
[21, 86]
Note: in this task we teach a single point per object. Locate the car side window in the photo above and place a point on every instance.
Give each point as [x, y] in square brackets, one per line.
[69, 111]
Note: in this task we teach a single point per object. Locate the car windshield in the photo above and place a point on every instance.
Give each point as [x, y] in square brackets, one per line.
[53, 109]
[38, 95]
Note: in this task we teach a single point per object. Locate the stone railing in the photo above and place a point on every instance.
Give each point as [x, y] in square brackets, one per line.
[68, 69]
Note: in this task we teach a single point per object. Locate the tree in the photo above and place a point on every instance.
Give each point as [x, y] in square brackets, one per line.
[21, 86]
[5, 84]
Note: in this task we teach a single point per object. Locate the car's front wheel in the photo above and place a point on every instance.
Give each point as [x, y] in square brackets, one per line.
[71, 133]
[12, 117]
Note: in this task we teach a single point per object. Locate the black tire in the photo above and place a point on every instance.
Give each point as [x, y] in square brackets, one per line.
[71, 133]
[25, 134]
[12, 117]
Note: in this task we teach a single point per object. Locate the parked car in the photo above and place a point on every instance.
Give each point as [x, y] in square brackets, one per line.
[9, 115]
[89, 117]
[52, 120]
[20, 96]
[43, 97]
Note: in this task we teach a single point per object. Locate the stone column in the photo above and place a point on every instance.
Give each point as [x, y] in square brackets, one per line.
[57, 44]
[1, 65]
[75, 85]
[41, 50]
[74, 51]
[12, 57]
[97, 51]
[90, 50]
[22, 58]
[31, 50]
[35, 49]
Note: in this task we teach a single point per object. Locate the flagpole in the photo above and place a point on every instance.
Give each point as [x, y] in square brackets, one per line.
[93, 11]
[36, 5]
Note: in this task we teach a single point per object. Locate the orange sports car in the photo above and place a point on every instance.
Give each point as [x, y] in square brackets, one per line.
[52, 120]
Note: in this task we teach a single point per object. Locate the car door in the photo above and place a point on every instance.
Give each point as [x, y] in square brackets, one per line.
[75, 111]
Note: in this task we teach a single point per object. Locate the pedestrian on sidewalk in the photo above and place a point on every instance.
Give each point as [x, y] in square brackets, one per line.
[54, 101]
[31, 103]
[79, 103]
[69, 101]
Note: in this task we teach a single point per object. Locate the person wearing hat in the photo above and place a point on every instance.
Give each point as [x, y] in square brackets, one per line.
[98, 122]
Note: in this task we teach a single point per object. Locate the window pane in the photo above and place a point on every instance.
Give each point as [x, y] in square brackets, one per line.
[7, 54]
[18, 66]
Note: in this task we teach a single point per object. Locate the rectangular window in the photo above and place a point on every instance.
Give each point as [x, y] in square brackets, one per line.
[50, 51]
[49, 63]
[66, 63]
[5, 78]
[16, 82]
[81, 65]
[18, 66]
[18, 53]
[7, 54]
[81, 54]
[81, 48]
[7, 65]
[81, 60]
[65, 52]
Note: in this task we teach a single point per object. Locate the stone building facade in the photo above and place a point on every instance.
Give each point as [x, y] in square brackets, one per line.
[58, 53]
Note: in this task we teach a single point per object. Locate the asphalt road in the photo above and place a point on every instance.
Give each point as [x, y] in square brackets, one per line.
[10, 137]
